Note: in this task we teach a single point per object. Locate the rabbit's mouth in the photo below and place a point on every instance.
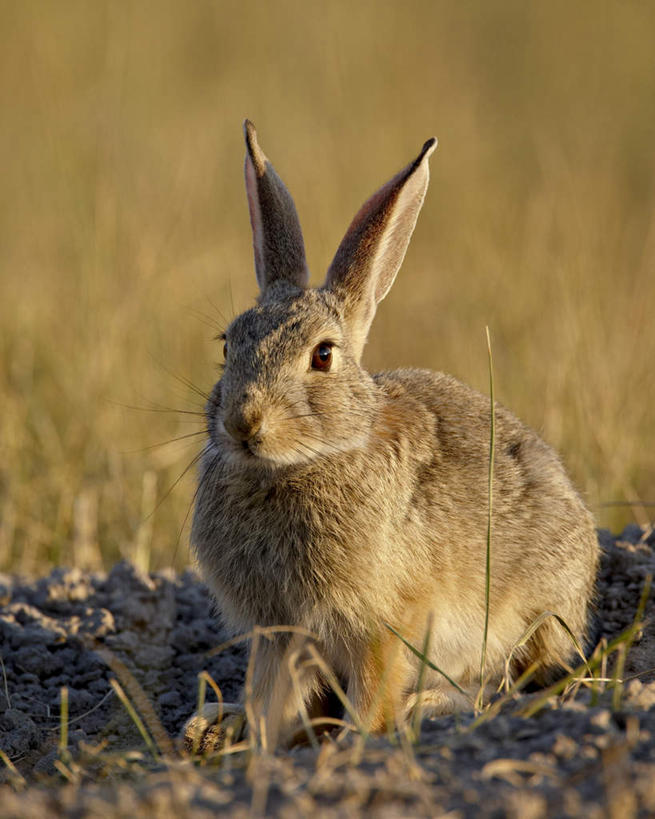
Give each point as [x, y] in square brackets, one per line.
[280, 439]
[249, 449]
[253, 450]
[255, 453]
[263, 453]
[245, 450]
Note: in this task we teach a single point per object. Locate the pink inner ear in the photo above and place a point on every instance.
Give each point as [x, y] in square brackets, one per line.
[255, 219]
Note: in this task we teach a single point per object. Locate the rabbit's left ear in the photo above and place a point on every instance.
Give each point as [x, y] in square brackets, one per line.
[276, 234]
[371, 252]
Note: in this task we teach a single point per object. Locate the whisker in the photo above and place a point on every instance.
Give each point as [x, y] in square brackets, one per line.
[185, 381]
[221, 315]
[155, 408]
[208, 321]
[299, 452]
[229, 284]
[318, 413]
[309, 448]
[318, 438]
[191, 386]
[166, 443]
[210, 471]
[192, 463]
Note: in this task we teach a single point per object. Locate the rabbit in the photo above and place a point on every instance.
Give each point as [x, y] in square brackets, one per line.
[338, 503]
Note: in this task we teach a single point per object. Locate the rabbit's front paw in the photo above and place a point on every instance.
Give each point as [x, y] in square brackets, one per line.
[213, 728]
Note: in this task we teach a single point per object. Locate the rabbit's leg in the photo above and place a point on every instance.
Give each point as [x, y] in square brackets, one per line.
[278, 687]
[378, 682]
[283, 690]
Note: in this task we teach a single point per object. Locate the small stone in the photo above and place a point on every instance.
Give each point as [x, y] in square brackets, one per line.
[632, 533]
[565, 747]
[97, 623]
[36, 659]
[602, 719]
[123, 640]
[640, 695]
[46, 764]
[5, 589]
[18, 733]
[171, 699]
[125, 579]
[154, 656]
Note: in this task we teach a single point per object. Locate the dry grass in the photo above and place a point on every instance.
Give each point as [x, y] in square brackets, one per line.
[124, 235]
[350, 742]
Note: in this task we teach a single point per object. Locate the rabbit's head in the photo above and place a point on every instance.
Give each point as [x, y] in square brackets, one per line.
[293, 388]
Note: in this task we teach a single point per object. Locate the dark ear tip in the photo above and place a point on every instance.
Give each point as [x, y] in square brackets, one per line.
[428, 148]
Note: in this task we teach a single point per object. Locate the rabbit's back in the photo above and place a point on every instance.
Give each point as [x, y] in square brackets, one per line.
[544, 545]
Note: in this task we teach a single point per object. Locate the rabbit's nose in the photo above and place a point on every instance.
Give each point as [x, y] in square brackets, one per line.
[243, 426]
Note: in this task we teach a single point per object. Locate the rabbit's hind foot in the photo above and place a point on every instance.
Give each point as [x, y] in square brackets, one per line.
[437, 702]
[214, 728]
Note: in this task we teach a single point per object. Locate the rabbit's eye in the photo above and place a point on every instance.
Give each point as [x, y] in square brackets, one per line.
[322, 356]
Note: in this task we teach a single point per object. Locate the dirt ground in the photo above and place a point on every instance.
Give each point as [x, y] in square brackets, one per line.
[575, 757]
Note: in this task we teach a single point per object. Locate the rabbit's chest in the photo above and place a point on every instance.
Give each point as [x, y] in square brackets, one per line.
[258, 547]
[285, 553]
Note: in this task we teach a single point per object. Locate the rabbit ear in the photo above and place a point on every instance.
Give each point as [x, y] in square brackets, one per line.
[368, 258]
[276, 234]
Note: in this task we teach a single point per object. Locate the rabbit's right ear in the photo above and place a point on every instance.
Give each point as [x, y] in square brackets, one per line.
[371, 252]
[276, 234]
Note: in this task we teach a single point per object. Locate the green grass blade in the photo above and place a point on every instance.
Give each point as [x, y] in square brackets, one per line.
[139, 697]
[16, 776]
[625, 638]
[416, 721]
[428, 662]
[136, 719]
[487, 585]
[531, 629]
[63, 723]
[617, 693]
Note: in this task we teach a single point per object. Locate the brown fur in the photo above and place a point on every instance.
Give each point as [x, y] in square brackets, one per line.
[339, 501]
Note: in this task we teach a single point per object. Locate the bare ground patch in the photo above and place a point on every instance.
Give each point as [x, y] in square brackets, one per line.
[578, 756]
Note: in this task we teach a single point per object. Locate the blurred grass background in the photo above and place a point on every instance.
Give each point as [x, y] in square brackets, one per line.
[124, 234]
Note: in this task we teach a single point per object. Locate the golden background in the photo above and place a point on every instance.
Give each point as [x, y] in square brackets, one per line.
[125, 241]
